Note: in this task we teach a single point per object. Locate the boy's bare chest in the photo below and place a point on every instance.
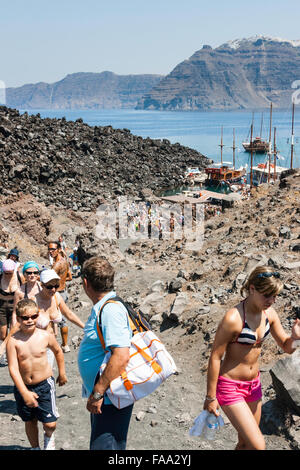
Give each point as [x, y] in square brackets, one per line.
[34, 348]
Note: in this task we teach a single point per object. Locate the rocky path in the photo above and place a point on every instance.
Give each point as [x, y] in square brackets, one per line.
[161, 421]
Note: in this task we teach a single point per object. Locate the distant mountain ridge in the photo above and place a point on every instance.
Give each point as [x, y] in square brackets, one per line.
[240, 74]
[243, 73]
[104, 90]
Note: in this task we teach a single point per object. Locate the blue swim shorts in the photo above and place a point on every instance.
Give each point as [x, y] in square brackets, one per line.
[46, 412]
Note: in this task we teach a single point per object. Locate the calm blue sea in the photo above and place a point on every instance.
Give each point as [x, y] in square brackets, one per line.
[198, 130]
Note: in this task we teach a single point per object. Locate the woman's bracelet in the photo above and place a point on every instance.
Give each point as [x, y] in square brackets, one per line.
[210, 399]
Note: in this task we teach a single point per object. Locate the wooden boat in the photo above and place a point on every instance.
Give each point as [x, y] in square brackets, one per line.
[258, 146]
[223, 174]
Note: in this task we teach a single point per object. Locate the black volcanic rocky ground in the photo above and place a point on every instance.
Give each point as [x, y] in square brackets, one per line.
[73, 165]
[184, 292]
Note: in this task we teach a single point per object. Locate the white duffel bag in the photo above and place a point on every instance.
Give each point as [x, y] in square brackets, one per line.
[149, 365]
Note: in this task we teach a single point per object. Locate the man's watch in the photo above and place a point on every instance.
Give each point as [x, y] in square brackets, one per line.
[98, 396]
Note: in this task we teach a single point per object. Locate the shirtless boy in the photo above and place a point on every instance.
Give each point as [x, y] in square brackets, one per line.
[32, 375]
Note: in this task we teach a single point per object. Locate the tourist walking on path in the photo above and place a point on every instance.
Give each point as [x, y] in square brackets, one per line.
[109, 425]
[51, 307]
[14, 256]
[32, 375]
[51, 304]
[10, 282]
[62, 268]
[62, 245]
[234, 381]
[31, 288]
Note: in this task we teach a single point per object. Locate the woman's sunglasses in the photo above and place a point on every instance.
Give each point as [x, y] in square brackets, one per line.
[36, 273]
[269, 275]
[33, 317]
[55, 286]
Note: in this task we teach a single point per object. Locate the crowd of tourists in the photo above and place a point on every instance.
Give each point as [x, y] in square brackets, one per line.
[34, 316]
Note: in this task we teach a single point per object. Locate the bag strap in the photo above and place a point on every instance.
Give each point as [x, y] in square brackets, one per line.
[113, 300]
[19, 278]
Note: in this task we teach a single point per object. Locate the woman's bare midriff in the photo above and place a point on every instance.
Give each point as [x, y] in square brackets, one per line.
[241, 362]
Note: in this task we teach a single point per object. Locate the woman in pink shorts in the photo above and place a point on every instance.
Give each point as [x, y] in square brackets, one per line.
[233, 378]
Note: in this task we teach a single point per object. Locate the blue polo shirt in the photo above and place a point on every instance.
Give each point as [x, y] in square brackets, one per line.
[116, 332]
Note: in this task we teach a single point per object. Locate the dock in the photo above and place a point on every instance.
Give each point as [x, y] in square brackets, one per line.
[205, 197]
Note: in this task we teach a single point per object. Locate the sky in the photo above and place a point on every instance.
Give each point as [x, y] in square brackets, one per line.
[46, 40]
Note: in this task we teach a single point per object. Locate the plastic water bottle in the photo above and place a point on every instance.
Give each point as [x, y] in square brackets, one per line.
[211, 426]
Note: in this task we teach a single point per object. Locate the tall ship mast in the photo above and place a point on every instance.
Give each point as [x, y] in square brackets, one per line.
[292, 138]
[221, 145]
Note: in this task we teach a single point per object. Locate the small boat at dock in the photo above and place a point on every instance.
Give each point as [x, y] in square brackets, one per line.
[218, 175]
[194, 175]
[267, 172]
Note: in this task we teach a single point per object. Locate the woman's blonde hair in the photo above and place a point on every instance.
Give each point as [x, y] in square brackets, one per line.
[265, 280]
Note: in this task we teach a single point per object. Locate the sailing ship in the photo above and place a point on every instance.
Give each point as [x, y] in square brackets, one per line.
[224, 173]
[258, 145]
[268, 172]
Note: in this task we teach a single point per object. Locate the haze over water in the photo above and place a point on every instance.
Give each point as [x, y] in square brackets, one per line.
[198, 130]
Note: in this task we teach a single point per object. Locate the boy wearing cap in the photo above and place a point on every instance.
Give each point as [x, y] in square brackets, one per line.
[32, 375]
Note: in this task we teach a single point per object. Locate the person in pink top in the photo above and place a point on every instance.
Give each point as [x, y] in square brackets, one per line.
[233, 378]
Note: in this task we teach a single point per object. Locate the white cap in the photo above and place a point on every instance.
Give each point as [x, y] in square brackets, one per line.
[48, 275]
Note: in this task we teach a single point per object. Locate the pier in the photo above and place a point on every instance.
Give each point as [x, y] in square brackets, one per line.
[205, 197]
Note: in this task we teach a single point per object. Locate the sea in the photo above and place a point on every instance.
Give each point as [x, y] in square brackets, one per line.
[200, 130]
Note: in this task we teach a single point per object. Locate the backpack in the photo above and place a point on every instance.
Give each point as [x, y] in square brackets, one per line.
[149, 365]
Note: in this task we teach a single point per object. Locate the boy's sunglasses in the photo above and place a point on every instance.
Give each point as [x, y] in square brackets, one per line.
[269, 275]
[55, 286]
[33, 317]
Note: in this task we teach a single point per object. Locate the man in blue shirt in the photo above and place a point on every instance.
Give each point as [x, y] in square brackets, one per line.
[109, 425]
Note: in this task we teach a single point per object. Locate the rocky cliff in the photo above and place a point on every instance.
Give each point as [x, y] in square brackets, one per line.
[239, 74]
[104, 90]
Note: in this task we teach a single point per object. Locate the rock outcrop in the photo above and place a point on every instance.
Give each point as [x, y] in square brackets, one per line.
[286, 381]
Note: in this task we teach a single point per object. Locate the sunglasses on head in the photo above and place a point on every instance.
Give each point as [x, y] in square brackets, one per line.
[33, 317]
[32, 272]
[55, 286]
[268, 275]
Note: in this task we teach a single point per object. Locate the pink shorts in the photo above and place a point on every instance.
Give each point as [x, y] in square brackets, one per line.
[233, 391]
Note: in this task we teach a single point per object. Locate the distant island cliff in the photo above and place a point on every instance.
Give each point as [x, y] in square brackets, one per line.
[84, 90]
[240, 74]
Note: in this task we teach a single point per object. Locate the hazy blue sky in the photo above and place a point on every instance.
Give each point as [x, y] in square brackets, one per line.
[45, 40]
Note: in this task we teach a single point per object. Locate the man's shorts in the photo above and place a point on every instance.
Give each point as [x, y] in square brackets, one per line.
[6, 310]
[231, 391]
[46, 412]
